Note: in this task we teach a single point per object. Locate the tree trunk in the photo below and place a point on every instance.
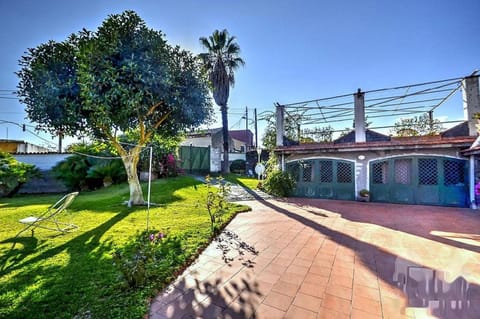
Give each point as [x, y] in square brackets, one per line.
[130, 162]
[225, 164]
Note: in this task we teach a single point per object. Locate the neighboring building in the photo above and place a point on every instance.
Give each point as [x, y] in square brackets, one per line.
[214, 138]
[242, 139]
[21, 147]
[430, 170]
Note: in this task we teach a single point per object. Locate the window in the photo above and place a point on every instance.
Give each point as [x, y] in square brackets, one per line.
[326, 171]
[454, 172]
[344, 172]
[403, 171]
[427, 171]
[380, 172]
[307, 171]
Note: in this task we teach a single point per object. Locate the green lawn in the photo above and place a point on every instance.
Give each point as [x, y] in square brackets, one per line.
[72, 275]
[245, 181]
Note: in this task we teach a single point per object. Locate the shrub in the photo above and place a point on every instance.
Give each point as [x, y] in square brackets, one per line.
[14, 174]
[147, 257]
[279, 183]
[72, 171]
[109, 171]
[238, 166]
[216, 202]
[81, 172]
[168, 166]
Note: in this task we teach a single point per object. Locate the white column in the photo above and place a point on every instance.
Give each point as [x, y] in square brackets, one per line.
[280, 113]
[471, 171]
[471, 102]
[359, 104]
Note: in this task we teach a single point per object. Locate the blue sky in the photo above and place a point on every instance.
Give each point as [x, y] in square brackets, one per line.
[294, 50]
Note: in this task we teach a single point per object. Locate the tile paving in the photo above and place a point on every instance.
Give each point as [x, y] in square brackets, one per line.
[312, 258]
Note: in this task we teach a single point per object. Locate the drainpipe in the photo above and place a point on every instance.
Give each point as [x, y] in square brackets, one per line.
[359, 105]
[471, 188]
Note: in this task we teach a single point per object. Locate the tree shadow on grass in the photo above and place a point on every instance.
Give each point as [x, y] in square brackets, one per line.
[419, 285]
[61, 290]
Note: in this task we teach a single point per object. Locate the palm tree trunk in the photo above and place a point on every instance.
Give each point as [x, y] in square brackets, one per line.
[225, 164]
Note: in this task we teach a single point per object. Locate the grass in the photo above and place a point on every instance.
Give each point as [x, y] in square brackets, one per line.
[245, 181]
[72, 275]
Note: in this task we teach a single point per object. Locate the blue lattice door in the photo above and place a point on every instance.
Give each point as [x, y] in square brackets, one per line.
[420, 180]
[323, 178]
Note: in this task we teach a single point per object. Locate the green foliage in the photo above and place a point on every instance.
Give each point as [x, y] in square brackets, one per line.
[318, 134]
[417, 126]
[364, 192]
[238, 166]
[220, 62]
[72, 171]
[109, 171]
[163, 147]
[270, 133]
[148, 256]
[272, 164]
[216, 201]
[14, 174]
[81, 172]
[279, 183]
[122, 77]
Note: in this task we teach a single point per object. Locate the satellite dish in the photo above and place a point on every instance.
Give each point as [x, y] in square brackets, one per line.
[259, 169]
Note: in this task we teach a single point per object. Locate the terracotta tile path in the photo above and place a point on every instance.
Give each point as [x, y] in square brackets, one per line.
[332, 259]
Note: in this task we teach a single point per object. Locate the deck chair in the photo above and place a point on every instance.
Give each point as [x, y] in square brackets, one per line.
[49, 219]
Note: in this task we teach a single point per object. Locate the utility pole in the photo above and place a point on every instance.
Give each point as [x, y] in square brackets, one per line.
[256, 127]
[246, 130]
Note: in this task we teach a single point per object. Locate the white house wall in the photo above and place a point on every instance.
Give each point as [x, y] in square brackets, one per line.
[204, 141]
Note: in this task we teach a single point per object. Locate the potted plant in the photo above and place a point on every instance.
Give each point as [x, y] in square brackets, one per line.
[364, 195]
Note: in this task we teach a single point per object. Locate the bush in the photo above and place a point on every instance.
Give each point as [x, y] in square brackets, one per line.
[14, 174]
[109, 171]
[238, 166]
[168, 166]
[147, 257]
[82, 172]
[279, 183]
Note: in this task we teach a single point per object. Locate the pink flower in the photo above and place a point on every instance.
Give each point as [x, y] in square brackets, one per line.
[160, 235]
[151, 237]
[170, 159]
[477, 188]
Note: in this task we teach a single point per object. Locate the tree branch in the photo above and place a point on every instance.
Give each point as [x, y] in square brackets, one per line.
[153, 108]
[113, 140]
[159, 122]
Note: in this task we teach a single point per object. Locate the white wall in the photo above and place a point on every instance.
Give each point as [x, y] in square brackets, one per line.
[41, 161]
[203, 141]
[216, 158]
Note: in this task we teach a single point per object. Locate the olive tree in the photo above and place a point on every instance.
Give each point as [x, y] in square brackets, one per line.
[122, 77]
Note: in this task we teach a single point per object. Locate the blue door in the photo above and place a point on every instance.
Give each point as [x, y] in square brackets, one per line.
[323, 178]
[420, 180]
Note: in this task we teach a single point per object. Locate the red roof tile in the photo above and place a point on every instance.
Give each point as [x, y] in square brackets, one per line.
[400, 142]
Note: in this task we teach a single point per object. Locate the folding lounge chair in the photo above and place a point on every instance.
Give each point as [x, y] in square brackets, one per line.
[49, 219]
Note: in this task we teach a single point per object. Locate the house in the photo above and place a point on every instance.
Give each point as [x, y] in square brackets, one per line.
[242, 139]
[430, 170]
[21, 147]
[214, 138]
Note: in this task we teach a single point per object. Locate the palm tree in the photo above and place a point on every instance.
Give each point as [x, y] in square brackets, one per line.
[220, 62]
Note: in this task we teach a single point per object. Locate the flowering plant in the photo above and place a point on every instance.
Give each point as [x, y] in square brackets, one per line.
[477, 189]
[139, 258]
